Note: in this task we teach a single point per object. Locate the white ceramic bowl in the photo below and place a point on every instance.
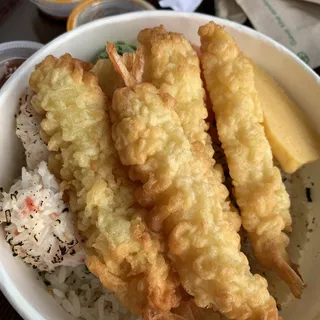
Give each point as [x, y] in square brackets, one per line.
[18, 282]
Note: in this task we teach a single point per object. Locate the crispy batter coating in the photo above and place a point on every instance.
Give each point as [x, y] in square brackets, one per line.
[259, 190]
[122, 252]
[190, 311]
[172, 65]
[179, 186]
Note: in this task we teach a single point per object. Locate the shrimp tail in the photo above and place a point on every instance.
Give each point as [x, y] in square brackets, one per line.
[288, 272]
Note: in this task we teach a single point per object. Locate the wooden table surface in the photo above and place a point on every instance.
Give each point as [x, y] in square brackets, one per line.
[35, 26]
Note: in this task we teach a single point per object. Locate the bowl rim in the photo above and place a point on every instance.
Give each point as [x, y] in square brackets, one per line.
[81, 7]
[7, 286]
[18, 44]
[54, 2]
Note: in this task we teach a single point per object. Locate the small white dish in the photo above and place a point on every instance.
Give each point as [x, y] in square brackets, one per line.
[13, 54]
[59, 9]
[90, 10]
[18, 282]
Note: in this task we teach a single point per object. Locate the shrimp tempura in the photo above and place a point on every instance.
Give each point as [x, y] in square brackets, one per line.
[259, 190]
[123, 253]
[179, 187]
[172, 65]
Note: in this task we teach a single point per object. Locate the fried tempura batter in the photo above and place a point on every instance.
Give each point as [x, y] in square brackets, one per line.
[259, 190]
[172, 65]
[179, 186]
[122, 252]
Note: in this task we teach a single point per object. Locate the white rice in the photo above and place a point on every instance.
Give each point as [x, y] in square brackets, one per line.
[28, 130]
[39, 226]
[82, 295]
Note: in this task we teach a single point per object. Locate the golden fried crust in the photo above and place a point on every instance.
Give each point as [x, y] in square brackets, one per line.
[259, 190]
[122, 252]
[179, 184]
[172, 65]
[190, 311]
[73, 66]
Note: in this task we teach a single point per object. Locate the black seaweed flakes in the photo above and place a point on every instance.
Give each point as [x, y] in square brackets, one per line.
[58, 238]
[308, 194]
[8, 216]
[13, 196]
[19, 244]
[63, 250]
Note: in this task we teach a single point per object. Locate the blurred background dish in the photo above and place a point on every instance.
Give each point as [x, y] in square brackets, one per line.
[13, 54]
[59, 9]
[90, 10]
